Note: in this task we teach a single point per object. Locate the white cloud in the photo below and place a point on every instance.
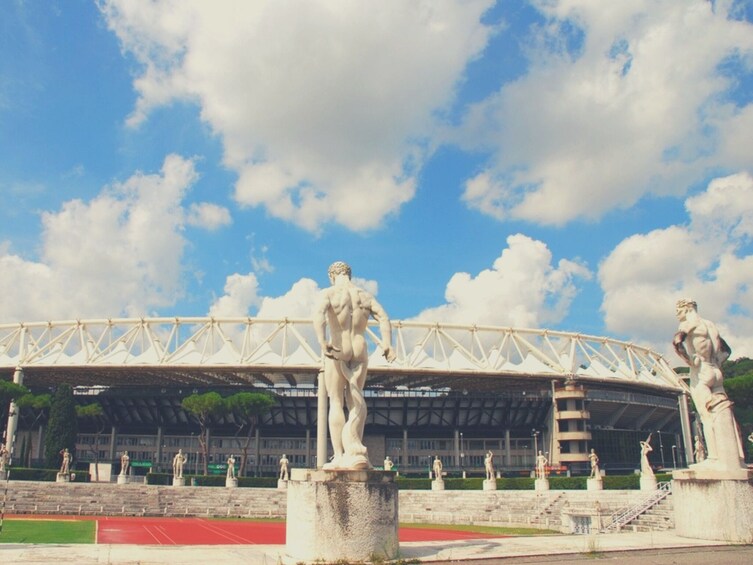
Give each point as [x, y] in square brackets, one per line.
[208, 216]
[638, 106]
[324, 109]
[708, 260]
[523, 289]
[118, 254]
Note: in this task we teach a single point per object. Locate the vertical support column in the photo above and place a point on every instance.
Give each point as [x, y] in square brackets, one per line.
[687, 434]
[508, 451]
[257, 449]
[113, 439]
[321, 422]
[308, 448]
[18, 378]
[456, 437]
[160, 441]
[208, 439]
[404, 462]
[40, 443]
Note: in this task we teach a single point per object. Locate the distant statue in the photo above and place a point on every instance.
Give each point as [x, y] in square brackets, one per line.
[65, 466]
[230, 467]
[750, 437]
[346, 309]
[595, 473]
[646, 470]
[178, 461]
[125, 462]
[541, 463]
[699, 344]
[437, 468]
[284, 468]
[699, 451]
[388, 464]
[4, 455]
[489, 465]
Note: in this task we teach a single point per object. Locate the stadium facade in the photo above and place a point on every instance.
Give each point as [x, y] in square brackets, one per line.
[454, 391]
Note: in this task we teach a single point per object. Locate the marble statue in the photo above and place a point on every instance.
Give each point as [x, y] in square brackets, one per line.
[437, 468]
[595, 473]
[541, 463]
[489, 465]
[750, 437]
[699, 451]
[284, 468]
[4, 455]
[65, 466]
[125, 461]
[388, 464]
[230, 467]
[346, 309]
[178, 461]
[646, 470]
[699, 344]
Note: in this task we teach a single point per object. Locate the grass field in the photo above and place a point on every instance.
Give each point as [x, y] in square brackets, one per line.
[48, 531]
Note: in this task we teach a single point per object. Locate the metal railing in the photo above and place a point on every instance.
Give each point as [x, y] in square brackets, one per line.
[627, 515]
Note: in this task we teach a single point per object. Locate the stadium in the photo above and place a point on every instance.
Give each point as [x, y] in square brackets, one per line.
[454, 391]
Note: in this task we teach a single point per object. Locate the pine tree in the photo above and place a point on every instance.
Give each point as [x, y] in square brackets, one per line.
[62, 426]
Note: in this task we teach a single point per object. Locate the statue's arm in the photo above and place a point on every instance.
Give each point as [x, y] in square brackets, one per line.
[679, 344]
[320, 324]
[385, 329]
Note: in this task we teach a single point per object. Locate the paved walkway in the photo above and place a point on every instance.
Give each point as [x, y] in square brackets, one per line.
[522, 549]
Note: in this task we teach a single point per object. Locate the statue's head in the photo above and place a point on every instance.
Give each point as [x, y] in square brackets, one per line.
[685, 305]
[338, 268]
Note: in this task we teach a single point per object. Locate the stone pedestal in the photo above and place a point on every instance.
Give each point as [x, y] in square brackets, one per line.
[437, 484]
[648, 482]
[541, 485]
[714, 505]
[282, 484]
[490, 484]
[3, 475]
[63, 478]
[231, 482]
[122, 480]
[179, 481]
[595, 484]
[341, 515]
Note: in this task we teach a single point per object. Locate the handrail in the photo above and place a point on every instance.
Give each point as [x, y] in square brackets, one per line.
[627, 515]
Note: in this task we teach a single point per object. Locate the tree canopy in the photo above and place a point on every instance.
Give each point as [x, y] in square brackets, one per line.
[62, 426]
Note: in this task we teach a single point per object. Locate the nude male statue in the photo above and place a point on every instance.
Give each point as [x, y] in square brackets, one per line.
[595, 473]
[178, 461]
[489, 465]
[437, 468]
[646, 470]
[125, 461]
[699, 344]
[230, 474]
[346, 309]
[65, 466]
[541, 463]
[284, 468]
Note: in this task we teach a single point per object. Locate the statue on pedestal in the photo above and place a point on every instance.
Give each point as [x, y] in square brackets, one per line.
[125, 461]
[541, 463]
[178, 461]
[595, 473]
[388, 464]
[646, 470]
[346, 309]
[699, 451]
[65, 466]
[699, 344]
[230, 467]
[4, 455]
[489, 465]
[284, 468]
[437, 468]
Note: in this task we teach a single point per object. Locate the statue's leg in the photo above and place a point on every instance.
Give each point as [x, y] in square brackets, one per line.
[335, 385]
[353, 432]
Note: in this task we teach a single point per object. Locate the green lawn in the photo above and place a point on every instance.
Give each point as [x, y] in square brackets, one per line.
[48, 531]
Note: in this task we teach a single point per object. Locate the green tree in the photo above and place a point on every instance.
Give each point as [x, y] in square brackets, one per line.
[204, 407]
[246, 408]
[95, 413]
[38, 406]
[9, 391]
[62, 426]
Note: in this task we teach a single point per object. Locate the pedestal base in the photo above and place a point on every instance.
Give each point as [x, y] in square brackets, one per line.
[541, 485]
[122, 480]
[231, 482]
[713, 508]
[63, 478]
[437, 484]
[490, 484]
[3, 475]
[342, 515]
[648, 482]
[179, 481]
[282, 484]
[595, 484]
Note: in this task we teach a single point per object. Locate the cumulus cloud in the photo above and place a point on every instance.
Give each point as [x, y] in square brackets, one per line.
[118, 254]
[325, 111]
[523, 288]
[241, 295]
[208, 216]
[615, 104]
[709, 260]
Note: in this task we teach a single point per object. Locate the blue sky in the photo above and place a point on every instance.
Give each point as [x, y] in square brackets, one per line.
[534, 164]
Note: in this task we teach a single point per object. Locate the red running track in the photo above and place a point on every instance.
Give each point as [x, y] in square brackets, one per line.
[201, 531]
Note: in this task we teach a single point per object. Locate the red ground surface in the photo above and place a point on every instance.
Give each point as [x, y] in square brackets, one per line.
[200, 531]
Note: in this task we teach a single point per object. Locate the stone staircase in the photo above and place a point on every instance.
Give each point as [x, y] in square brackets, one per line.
[660, 517]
